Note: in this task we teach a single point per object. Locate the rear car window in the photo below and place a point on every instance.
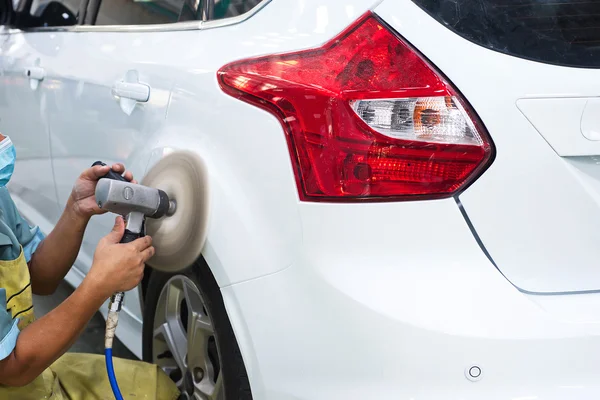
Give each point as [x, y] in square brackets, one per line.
[210, 10]
[132, 12]
[143, 12]
[233, 8]
[557, 32]
[37, 6]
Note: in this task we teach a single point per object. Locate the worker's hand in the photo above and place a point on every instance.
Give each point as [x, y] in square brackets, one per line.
[119, 267]
[83, 200]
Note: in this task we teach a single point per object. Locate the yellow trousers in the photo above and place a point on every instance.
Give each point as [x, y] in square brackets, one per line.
[77, 376]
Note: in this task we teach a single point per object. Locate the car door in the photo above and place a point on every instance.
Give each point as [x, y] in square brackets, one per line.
[111, 95]
[24, 89]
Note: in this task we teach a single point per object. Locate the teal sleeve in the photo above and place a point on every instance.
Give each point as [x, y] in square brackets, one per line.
[32, 242]
[29, 237]
[9, 331]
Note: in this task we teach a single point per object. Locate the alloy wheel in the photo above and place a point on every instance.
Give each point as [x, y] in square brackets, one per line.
[184, 342]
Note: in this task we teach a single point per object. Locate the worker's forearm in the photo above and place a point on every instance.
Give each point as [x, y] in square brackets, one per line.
[57, 252]
[46, 339]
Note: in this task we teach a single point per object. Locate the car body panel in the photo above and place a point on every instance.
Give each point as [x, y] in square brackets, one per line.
[85, 118]
[571, 131]
[26, 125]
[429, 312]
[534, 217]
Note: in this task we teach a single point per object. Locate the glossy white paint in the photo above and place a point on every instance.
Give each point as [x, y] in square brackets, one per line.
[534, 216]
[590, 120]
[560, 122]
[570, 125]
[332, 301]
[86, 118]
[23, 118]
[379, 314]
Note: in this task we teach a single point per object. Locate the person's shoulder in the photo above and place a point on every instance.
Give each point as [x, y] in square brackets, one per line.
[6, 202]
[8, 209]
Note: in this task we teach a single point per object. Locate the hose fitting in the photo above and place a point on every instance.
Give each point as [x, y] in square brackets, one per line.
[112, 320]
[116, 301]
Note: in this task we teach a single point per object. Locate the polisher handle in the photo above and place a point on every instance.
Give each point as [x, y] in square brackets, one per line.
[111, 174]
[129, 236]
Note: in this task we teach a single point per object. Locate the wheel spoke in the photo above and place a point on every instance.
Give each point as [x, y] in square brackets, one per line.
[199, 322]
[199, 331]
[205, 389]
[176, 342]
[192, 297]
[208, 390]
[169, 370]
[173, 296]
[196, 309]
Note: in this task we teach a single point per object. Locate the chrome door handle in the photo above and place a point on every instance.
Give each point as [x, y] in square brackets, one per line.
[134, 91]
[130, 91]
[37, 73]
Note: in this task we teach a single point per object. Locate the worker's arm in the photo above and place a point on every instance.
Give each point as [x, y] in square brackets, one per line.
[117, 267]
[56, 254]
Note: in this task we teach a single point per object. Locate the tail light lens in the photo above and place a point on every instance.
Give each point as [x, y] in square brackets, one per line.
[366, 118]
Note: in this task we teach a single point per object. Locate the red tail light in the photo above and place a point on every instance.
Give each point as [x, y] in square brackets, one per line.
[366, 117]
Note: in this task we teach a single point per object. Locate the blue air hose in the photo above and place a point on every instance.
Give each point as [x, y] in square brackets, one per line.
[114, 306]
[111, 374]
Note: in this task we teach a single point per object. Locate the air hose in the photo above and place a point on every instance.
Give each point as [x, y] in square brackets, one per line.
[135, 221]
[114, 306]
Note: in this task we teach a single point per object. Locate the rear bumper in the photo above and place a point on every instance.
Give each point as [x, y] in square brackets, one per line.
[400, 310]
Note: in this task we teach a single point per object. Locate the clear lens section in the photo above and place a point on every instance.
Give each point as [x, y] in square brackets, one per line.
[427, 119]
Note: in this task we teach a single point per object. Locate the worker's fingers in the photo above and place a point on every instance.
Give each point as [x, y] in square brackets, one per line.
[142, 243]
[98, 171]
[128, 175]
[118, 168]
[95, 172]
[117, 231]
[148, 253]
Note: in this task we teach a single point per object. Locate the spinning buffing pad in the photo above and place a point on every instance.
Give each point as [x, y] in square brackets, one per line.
[179, 238]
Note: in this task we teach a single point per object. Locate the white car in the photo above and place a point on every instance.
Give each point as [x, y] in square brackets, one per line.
[405, 195]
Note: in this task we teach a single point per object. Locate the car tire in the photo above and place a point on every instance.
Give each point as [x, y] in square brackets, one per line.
[226, 365]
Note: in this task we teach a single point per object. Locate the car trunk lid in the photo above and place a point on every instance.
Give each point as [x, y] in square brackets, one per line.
[536, 211]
